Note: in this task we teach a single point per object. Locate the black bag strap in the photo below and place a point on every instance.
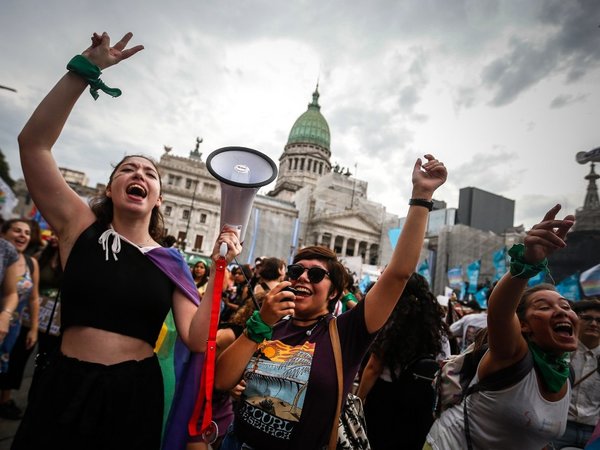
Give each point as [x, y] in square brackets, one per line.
[499, 380]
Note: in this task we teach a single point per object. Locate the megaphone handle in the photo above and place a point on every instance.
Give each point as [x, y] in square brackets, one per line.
[223, 249]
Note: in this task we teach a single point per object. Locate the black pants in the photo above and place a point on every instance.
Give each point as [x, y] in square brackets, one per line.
[83, 405]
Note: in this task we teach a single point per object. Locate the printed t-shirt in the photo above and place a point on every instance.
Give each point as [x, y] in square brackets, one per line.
[291, 383]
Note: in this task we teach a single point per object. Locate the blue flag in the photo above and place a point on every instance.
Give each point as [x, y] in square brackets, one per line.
[499, 263]
[539, 278]
[481, 297]
[423, 270]
[394, 234]
[364, 283]
[473, 275]
[569, 288]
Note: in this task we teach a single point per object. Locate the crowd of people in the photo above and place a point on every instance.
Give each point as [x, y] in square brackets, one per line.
[96, 296]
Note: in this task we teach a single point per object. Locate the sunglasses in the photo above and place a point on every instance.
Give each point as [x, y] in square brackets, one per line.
[590, 318]
[315, 274]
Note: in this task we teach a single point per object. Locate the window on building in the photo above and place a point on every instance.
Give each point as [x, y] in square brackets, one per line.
[308, 164]
[209, 188]
[203, 217]
[189, 183]
[198, 242]
[168, 210]
[337, 246]
[302, 164]
[185, 214]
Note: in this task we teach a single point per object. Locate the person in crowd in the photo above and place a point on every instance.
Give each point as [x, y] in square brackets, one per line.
[201, 273]
[468, 325]
[584, 410]
[348, 299]
[49, 289]
[396, 382]
[105, 388]
[536, 323]
[239, 292]
[18, 344]
[272, 272]
[8, 280]
[36, 243]
[288, 366]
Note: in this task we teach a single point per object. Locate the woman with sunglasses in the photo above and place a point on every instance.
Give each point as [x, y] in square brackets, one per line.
[288, 365]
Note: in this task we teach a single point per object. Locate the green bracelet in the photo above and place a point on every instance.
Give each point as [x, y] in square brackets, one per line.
[257, 330]
[90, 72]
[519, 268]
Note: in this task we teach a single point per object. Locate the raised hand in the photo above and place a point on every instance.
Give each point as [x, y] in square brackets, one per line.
[277, 304]
[230, 237]
[547, 236]
[426, 178]
[103, 55]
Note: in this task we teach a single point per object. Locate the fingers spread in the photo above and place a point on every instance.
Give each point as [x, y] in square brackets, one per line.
[123, 42]
[131, 51]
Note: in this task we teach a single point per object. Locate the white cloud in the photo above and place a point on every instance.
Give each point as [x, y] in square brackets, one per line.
[504, 91]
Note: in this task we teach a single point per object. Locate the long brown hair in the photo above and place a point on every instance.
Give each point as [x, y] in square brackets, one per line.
[102, 205]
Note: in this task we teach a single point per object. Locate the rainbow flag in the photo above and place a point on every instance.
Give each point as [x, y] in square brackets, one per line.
[590, 281]
[181, 368]
[455, 277]
[594, 442]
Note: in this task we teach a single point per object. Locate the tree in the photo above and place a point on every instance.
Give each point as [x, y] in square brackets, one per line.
[5, 170]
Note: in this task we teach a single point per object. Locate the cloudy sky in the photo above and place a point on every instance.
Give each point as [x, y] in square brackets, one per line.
[504, 92]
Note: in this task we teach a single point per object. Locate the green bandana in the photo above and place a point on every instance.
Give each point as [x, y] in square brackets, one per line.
[91, 73]
[554, 369]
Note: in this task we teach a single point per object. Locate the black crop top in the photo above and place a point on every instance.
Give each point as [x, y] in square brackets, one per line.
[130, 296]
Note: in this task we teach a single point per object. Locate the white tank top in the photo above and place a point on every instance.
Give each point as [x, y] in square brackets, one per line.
[517, 417]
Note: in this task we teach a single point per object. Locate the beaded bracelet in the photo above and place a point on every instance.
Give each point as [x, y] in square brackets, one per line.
[521, 269]
[256, 329]
[90, 72]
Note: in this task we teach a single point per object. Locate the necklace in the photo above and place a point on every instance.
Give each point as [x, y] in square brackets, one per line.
[318, 321]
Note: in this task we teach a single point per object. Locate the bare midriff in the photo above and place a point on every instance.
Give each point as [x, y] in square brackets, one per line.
[103, 347]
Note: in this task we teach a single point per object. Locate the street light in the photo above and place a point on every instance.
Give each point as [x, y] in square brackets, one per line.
[187, 227]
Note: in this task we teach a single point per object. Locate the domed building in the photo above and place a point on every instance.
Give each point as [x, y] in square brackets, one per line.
[333, 209]
[306, 156]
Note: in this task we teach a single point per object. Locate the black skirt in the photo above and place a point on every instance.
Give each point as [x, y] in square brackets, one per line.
[83, 405]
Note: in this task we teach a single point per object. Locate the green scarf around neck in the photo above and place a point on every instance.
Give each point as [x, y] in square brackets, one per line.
[554, 369]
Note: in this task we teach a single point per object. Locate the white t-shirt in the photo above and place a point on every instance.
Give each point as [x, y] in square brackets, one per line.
[517, 417]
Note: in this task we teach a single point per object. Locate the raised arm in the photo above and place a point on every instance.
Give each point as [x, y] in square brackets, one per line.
[506, 343]
[382, 297]
[66, 213]
[10, 298]
[193, 322]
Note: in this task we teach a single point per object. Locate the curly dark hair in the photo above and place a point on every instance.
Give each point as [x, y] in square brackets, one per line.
[415, 328]
[102, 205]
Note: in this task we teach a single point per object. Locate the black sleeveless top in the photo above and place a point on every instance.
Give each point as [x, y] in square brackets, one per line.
[130, 296]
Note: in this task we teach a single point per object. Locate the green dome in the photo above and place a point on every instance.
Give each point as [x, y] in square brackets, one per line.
[311, 127]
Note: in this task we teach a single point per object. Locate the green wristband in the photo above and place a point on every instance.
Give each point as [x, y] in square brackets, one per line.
[90, 72]
[257, 330]
[519, 268]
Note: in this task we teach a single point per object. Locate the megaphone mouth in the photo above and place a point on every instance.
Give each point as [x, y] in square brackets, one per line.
[240, 162]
